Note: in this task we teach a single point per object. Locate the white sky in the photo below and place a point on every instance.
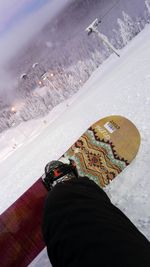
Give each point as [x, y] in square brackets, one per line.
[18, 34]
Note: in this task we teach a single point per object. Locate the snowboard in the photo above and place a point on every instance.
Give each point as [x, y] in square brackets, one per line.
[101, 153]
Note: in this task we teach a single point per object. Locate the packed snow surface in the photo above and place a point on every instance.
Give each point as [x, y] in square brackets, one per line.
[120, 86]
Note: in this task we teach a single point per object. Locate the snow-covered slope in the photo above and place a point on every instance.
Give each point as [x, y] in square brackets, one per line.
[119, 86]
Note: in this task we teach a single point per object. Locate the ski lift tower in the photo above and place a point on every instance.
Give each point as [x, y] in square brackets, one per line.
[93, 28]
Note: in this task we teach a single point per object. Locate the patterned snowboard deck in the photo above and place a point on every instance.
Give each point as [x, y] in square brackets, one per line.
[101, 153]
[105, 149]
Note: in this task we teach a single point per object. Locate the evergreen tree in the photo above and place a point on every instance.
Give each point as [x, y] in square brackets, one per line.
[147, 3]
[128, 28]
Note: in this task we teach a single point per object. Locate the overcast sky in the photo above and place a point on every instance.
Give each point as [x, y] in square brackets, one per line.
[21, 19]
[13, 12]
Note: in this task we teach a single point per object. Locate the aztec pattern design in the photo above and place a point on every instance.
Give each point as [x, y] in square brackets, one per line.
[95, 158]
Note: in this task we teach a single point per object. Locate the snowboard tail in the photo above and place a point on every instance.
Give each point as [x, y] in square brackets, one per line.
[20, 228]
[101, 153]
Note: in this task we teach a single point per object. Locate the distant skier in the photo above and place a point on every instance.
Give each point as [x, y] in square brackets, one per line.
[81, 227]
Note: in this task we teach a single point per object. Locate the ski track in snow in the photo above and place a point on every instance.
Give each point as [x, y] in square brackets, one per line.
[119, 86]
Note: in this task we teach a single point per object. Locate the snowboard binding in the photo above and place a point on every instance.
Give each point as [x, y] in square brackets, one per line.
[57, 171]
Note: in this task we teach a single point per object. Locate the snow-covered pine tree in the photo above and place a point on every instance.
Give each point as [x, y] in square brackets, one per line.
[117, 39]
[140, 22]
[147, 3]
[128, 28]
[147, 12]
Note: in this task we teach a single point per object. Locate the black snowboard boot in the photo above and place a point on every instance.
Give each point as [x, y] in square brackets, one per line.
[57, 171]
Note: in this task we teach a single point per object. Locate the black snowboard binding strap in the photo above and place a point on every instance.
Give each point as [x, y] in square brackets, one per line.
[57, 171]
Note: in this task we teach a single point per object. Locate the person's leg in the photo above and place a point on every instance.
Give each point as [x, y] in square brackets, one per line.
[82, 228]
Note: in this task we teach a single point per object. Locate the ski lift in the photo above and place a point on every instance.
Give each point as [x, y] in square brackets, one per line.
[35, 64]
[23, 76]
[93, 26]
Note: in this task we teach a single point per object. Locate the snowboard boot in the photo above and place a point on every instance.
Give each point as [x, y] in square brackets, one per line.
[57, 171]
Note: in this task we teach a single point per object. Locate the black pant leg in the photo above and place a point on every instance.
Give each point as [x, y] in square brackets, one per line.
[82, 228]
